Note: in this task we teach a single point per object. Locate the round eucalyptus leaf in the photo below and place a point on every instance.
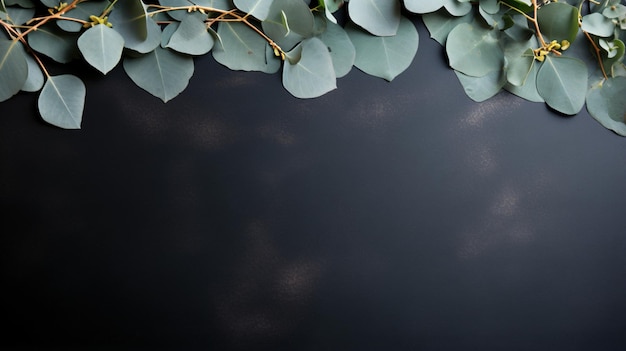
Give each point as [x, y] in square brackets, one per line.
[597, 24]
[482, 88]
[62, 100]
[558, 21]
[440, 23]
[101, 47]
[528, 90]
[152, 40]
[161, 72]
[607, 105]
[615, 11]
[82, 11]
[562, 83]
[385, 57]
[13, 68]
[191, 37]
[23, 3]
[380, 18]
[458, 8]
[341, 49]
[18, 15]
[308, 71]
[54, 43]
[241, 48]
[520, 59]
[288, 22]
[257, 8]
[474, 50]
[50, 3]
[332, 5]
[422, 6]
[35, 79]
[167, 32]
[130, 20]
[490, 6]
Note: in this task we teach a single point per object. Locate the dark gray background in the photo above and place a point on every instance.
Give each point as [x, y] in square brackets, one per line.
[381, 216]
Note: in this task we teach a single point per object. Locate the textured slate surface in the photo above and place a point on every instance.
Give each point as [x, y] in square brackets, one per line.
[381, 216]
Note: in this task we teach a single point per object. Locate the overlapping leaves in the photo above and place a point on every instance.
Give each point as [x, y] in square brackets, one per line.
[520, 46]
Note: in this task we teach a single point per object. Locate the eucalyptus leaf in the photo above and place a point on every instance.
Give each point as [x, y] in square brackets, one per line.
[562, 83]
[22, 3]
[13, 68]
[458, 8]
[50, 3]
[385, 57]
[474, 50]
[191, 37]
[54, 43]
[342, 51]
[162, 73]
[308, 71]
[597, 24]
[288, 22]
[62, 100]
[257, 8]
[440, 23]
[606, 103]
[101, 47]
[82, 11]
[558, 21]
[130, 20]
[528, 90]
[423, 6]
[20, 15]
[241, 48]
[380, 18]
[482, 88]
[35, 79]
[520, 59]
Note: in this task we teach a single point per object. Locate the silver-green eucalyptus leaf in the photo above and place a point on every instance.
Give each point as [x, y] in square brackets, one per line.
[308, 70]
[440, 23]
[528, 90]
[597, 24]
[101, 47]
[474, 50]
[257, 8]
[22, 3]
[18, 15]
[606, 103]
[161, 72]
[458, 8]
[342, 51]
[380, 18]
[423, 6]
[562, 83]
[129, 18]
[482, 88]
[82, 11]
[241, 48]
[13, 68]
[191, 37]
[288, 22]
[35, 79]
[62, 100]
[385, 57]
[54, 43]
[558, 21]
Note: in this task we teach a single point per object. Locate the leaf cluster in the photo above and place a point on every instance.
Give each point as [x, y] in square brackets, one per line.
[565, 53]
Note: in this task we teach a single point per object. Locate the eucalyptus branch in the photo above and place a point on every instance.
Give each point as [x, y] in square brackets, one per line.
[235, 15]
[43, 20]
